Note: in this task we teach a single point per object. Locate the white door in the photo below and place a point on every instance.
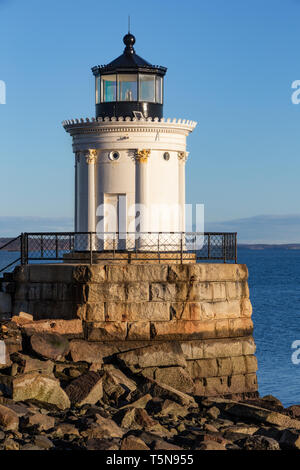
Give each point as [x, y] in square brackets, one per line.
[115, 225]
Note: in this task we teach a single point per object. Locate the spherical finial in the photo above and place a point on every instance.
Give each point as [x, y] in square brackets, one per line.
[129, 41]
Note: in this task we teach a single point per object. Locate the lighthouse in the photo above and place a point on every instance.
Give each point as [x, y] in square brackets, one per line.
[129, 159]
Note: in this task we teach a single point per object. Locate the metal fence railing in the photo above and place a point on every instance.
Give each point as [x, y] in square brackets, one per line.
[147, 245]
[11, 253]
[86, 246]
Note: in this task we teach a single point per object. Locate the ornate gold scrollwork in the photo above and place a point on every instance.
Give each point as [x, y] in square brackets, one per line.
[142, 156]
[91, 156]
[182, 156]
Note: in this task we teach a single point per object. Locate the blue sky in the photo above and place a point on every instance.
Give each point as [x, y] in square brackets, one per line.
[230, 64]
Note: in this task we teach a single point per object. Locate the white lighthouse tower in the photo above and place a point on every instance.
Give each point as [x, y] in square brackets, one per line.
[129, 159]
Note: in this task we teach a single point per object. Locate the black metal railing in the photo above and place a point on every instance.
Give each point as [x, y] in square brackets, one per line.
[13, 253]
[85, 246]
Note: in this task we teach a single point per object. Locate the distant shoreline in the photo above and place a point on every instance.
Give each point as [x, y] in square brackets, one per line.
[268, 246]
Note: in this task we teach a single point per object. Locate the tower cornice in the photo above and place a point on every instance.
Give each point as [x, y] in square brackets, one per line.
[126, 125]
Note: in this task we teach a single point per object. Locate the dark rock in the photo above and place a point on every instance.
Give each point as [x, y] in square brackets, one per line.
[247, 429]
[40, 421]
[9, 420]
[155, 405]
[117, 386]
[272, 432]
[92, 411]
[211, 445]
[41, 388]
[20, 409]
[235, 436]
[11, 444]
[102, 429]
[159, 444]
[65, 429]
[67, 371]
[290, 439]
[186, 439]
[169, 407]
[12, 337]
[258, 443]
[103, 444]
[136, 418]
[203, 436]
[85, 389]
[147, 436]
[270, 399]
[132, 442]
[86, 351]
[261, 415]
[294, 411]
[142, 402]
[24, 364]
[213, 412]
[6, 385]
[42, 442]
[31, 447]
[165, 392]
[50, 345]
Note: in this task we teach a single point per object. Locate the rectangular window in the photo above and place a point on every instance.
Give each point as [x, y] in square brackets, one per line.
[108, 88]
[159, 90]
[147, 88]
[98, 89]
[127, 87]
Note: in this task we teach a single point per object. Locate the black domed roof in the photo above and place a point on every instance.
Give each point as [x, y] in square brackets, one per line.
[129, 61]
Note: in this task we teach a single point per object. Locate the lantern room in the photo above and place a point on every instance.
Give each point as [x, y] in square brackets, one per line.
[129, 86]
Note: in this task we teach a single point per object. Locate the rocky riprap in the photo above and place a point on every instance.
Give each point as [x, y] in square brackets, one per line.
[59, 393]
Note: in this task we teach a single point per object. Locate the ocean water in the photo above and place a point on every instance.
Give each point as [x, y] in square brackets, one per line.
[274, 281]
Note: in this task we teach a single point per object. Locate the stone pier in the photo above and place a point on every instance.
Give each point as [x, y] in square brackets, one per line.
[188, 326]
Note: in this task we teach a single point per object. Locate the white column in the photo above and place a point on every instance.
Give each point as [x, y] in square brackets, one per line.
[141, 186]
[182, 158]
[91, 158]
[76, 196]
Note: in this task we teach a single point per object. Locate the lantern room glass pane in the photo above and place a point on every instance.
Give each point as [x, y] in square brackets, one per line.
[127, 87]
[98, 89]
[147, 88]
[108, 88]
[159, 90]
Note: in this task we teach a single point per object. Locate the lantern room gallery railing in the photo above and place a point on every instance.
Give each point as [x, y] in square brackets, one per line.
[86, 246]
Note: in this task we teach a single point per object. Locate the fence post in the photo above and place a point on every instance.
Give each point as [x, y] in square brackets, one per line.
[26, 248]
[56, 246]
[208, 245]
[224, 244]
[42, 247]
[235, 248]
[22, 249]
